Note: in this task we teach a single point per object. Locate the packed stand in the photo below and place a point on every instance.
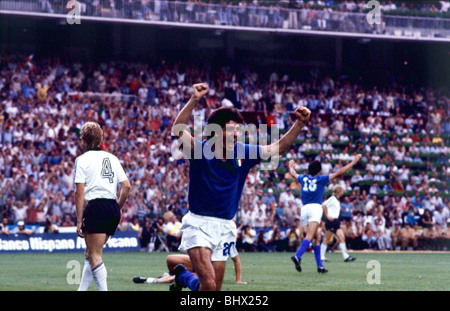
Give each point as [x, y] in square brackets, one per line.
[397, 197]
[287, 14]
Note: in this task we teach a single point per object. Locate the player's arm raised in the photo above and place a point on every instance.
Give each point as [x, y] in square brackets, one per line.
[179, 127]
[292, 169]
[282, 145]
[346, 168]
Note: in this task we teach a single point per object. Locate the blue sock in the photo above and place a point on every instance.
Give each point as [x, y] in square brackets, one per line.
[189, 279]
[303, 247]
[317, 255]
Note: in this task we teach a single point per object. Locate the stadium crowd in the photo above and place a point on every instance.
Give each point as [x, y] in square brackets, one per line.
[397, 197]
[292, 14]
[167, 7]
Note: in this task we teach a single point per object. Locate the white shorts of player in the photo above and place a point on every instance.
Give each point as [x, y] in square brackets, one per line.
[219, 235]
[311, 212]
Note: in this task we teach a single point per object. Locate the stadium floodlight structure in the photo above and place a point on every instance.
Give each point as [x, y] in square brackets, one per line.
[271, 19]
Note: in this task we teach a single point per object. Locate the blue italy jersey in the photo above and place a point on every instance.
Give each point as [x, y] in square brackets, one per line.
[313, 188]
[215, 186]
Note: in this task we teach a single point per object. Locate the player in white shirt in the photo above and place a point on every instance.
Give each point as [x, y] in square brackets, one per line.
[331, 210]
[97, 175]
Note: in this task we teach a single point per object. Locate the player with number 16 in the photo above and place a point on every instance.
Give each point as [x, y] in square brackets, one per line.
[313, 187]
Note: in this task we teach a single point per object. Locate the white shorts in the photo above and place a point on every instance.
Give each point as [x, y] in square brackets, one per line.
[311, 212]
[219, 235]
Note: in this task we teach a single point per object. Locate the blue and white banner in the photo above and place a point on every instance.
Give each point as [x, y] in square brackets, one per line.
[121, 241]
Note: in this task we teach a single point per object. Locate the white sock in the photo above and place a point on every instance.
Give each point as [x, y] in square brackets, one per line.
[86, 278]
[150, 280]
[344, 250]
[323, 250]
[99, 274]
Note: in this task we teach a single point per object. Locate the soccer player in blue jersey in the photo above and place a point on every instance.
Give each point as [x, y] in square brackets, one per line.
[215, 188]
[313, 186]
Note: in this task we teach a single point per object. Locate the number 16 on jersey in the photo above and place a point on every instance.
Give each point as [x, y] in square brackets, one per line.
[309, 184]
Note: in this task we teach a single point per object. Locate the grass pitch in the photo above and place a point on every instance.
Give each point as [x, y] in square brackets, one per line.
[262, 272]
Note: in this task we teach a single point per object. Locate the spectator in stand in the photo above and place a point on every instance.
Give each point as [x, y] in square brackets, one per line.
[295, 235]
[173, 233]
[408, 237]
[384, 239]
[396, 235]
[21, 229]
[346, 209]
[68, 222]
[369, 236]
[278, 239]
[270, 197]
[248, 235]
[4, 229]
[260, 243]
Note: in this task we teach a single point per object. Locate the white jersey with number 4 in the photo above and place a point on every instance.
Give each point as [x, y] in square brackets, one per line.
[333, 207]
[100, 172]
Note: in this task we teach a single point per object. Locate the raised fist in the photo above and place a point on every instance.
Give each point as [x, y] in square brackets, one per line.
[302, 113]
[200, 90]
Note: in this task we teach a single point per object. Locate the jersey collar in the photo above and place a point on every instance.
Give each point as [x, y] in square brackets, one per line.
[94, 149]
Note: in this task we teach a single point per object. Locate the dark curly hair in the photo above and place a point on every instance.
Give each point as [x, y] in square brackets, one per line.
[314, 168]
[225, 114]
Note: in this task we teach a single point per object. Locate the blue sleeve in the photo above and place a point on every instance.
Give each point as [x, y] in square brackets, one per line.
[300, 179]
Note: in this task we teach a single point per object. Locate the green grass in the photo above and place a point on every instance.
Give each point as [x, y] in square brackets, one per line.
[262, 271]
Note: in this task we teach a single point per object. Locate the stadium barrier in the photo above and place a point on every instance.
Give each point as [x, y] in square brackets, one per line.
[251, 17]
[122, 241]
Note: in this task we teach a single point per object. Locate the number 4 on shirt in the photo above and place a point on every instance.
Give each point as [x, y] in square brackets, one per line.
[107, 170]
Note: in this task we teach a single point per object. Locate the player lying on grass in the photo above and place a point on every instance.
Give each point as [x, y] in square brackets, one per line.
[174, 260]
[215, 188]
[313, 187]
[331, 210]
